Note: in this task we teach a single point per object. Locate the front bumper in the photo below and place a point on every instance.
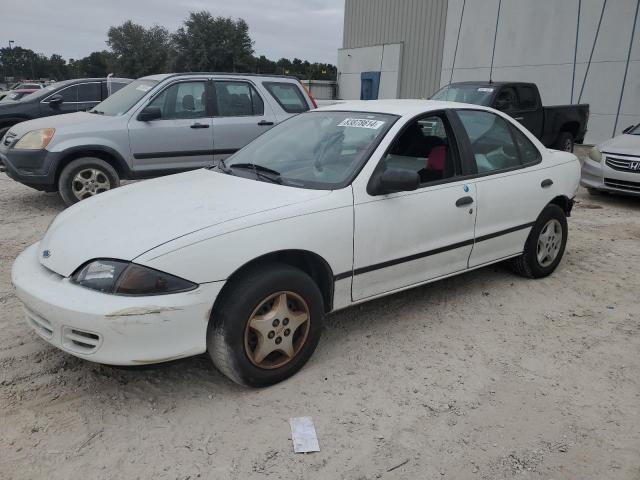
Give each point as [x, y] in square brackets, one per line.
[600, 176]
[34, 168]
[112, 329]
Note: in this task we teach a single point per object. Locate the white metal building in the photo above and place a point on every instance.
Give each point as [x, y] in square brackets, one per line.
[577, 51]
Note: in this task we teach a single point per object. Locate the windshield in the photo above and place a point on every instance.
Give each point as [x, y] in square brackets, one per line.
[125, 98]
[475, 94]
[320, 150]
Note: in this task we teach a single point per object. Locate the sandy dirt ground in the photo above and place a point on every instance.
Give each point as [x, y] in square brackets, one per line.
[481, 376]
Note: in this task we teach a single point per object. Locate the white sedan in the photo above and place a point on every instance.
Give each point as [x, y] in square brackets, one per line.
[334, 207]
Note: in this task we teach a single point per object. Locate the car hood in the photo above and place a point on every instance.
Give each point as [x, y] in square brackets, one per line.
[128, 221]
[73, 120]
[623, 144]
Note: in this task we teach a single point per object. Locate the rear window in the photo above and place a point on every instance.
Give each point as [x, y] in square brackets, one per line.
[288, 95]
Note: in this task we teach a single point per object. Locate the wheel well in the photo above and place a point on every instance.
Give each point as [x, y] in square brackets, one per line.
[564, 202]
[310, 263]
[102, 155]
[571, 127]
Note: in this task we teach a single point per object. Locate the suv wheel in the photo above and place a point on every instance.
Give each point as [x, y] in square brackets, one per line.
[266, 325]
[86, 177]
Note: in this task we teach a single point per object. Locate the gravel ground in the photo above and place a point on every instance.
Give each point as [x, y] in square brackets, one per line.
[481, 376]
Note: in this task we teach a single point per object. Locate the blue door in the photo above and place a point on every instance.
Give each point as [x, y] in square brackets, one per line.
[369, 85]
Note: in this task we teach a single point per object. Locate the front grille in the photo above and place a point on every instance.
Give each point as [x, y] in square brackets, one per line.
[39, 324]
[622, 184]
[631, 164]
[80, 340]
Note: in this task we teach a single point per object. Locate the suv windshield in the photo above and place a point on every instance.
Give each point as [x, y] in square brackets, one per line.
[319, 150]
[474, 94]
[125, 98]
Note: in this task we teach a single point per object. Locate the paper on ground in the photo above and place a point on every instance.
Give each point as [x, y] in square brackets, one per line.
[303, 434]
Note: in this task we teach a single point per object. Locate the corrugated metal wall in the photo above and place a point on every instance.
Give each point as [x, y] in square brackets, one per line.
[418, 24]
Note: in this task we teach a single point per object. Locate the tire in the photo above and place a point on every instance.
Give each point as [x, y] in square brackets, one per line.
[232, 342]
[88, 169]
[529, 264]
[564, 142]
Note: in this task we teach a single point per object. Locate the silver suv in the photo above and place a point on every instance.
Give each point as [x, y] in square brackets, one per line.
[154, 126]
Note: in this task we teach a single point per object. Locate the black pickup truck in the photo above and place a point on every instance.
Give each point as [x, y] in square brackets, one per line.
[559, 126]
[61, 97]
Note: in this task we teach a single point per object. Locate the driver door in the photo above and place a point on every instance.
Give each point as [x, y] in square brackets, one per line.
[406, 238]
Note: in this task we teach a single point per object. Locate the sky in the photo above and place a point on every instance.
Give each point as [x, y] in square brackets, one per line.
[306, 29]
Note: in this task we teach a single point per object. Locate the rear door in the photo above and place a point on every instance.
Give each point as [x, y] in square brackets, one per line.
[529, 112]
[183, 137]
[89, 95]
[509, 185]
[240, 115]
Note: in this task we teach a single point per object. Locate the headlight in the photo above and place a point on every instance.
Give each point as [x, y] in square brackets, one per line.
[126, 278]
[595, 154]
[35, 139]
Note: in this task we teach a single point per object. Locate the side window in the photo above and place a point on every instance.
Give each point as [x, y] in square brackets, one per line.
[69, 94]
[528, 99]
[89, 92]
[114, 86]
[288, 96]
[491, 141]
[424, 147]
[182, 100]
[237, 99]
[528, 151]
[507, 99]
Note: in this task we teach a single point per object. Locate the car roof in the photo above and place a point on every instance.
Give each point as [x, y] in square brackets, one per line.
[399, 107]
[486, 83]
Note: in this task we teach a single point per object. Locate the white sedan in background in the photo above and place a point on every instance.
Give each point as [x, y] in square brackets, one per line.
[331, 208]
[614, 165]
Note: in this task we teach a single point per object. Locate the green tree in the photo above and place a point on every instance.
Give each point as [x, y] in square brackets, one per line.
[139, 51]
[208, 43]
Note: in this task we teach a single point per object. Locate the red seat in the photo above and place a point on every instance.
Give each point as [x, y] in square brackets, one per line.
[436, 159]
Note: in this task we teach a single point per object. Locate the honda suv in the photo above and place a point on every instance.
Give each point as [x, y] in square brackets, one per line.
[156, 125]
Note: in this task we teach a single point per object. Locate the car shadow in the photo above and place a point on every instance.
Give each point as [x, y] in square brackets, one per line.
[615, 200]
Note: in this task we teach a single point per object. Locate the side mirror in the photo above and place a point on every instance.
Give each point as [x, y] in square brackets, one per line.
[502, 105]
[149, 113]
[394, 180]
[628, 129]
[55, 100]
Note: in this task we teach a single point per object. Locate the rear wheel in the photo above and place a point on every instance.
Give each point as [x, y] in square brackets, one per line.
[266, 326]
[564, 142]
[86, 177]
[545, 245]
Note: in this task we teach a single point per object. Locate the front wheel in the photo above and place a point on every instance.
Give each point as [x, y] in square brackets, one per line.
[85, 177]
[266, 325]
[545, 245]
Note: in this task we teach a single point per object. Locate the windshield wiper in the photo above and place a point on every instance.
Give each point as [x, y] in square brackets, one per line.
[261, 171]
[99, 112]
[222, 166]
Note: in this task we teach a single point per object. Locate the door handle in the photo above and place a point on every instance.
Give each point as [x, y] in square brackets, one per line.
[546, 183]
[263, 123]
[461, 202]
[199, 125]
[518, 118]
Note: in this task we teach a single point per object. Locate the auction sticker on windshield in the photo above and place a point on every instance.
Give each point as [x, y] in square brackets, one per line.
[361, 123]
[485, 89]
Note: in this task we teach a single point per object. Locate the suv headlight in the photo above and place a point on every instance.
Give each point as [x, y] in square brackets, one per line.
[35, 139]
[595, 154]
[126, 278]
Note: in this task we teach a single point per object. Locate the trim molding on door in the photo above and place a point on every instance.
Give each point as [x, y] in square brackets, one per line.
[187, 153]
[416, 256]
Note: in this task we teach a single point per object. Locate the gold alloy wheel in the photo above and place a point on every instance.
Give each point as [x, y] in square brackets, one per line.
[277, 330]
